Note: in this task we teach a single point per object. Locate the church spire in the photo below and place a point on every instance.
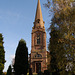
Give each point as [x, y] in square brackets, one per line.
[38, 12]
[38, 17]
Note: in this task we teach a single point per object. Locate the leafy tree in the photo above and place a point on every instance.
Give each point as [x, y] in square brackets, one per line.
[9, 71]
[21, 59]
[57, 52]
[63, 20]
[2, 55]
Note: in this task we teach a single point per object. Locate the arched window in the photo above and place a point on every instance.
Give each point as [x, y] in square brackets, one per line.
[38, 20]
[38, 55]
[38, 39]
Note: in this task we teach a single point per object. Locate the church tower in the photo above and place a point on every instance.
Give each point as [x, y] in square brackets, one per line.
[38, 47]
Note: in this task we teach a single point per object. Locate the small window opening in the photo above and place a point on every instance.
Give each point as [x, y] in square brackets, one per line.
[38, 39]
[38, 21]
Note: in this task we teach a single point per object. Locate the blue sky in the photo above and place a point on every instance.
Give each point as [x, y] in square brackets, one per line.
[16, 22]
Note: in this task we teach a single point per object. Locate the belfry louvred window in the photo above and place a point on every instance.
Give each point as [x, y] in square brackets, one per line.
[38, 39]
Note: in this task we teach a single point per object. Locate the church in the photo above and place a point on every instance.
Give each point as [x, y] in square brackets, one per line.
[38, 56]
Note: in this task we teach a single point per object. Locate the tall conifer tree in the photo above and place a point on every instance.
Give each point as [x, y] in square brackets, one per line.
[2, 55]
[21, 59]
[9, 71]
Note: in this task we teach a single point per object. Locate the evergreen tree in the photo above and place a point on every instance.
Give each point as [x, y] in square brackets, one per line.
[21, 59]
[30, 71]
[9, 71]
[2, 55]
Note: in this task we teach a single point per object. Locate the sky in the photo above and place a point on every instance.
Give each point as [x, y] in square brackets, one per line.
[16, 22]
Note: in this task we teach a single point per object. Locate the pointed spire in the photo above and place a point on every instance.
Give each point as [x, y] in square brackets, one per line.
[38, 12]
[38, 17]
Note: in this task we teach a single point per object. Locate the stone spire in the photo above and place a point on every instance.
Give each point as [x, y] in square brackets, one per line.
[38, 17]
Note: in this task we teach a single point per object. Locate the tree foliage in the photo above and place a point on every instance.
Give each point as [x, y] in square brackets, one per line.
[58, 60]
[2, 55]
[21, 58]
[9, 71]
[63, 23]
